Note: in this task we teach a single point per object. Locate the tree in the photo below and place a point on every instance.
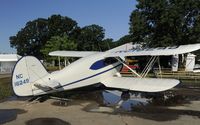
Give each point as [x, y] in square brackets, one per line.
[33, 37]
[58, 43]
[90, 38]
[166, 22]
[107, 44]
[123, 40]
[58, 25]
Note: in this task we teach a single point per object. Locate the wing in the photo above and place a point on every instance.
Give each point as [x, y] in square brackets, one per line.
[160, 51]
[140, 84]
[72, 53]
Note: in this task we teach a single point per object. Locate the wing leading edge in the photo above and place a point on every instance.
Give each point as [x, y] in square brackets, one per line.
[159, 51]
[72, 53]
[138, 84]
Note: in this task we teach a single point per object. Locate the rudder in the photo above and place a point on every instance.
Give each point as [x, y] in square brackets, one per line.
[27, 70]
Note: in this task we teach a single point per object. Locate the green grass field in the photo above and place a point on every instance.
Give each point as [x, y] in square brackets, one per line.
[5, 87]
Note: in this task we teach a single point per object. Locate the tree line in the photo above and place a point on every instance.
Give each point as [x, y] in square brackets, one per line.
[152, 23]
[41, 36]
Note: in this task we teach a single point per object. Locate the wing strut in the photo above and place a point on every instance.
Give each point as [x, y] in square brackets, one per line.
[66, 61]
[149, 66]
[134, 72]
[59, 62]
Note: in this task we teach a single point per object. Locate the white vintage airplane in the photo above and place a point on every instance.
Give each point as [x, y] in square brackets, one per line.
[30, 78]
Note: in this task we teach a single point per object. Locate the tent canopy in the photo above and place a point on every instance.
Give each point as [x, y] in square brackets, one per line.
[9, 57]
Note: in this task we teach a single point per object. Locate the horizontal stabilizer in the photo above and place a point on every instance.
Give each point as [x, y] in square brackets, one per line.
[52, 85]
[140, 84]
[43, 87]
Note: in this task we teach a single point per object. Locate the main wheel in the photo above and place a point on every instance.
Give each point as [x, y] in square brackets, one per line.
[125, 95]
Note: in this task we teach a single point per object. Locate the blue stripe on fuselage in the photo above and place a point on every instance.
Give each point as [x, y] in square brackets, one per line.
[84, 78]
[91, 76]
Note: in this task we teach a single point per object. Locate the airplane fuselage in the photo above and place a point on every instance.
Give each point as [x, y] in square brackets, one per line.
[83, 72]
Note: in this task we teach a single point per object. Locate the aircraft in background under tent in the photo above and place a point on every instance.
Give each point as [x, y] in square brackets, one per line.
[30, 78]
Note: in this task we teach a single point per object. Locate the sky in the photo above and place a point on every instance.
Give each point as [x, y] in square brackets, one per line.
[112, 15]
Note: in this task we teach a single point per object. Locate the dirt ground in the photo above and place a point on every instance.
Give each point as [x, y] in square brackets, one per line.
[78, 112]
[88, 109]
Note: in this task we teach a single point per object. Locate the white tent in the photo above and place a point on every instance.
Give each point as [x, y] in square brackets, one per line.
[190, 62]
[7, 62]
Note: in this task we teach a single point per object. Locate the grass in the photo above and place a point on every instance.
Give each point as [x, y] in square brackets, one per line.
[52, 68]
[5, 87]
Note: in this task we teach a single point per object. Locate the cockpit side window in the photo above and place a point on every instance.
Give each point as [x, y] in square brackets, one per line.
[103, 63]
[110, 60]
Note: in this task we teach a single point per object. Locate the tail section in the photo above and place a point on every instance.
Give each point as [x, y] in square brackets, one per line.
[27, 70]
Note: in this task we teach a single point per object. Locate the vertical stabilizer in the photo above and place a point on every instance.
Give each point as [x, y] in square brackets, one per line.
[27, 70]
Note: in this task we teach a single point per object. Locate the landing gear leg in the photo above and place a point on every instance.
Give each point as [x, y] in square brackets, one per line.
[124, 97]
